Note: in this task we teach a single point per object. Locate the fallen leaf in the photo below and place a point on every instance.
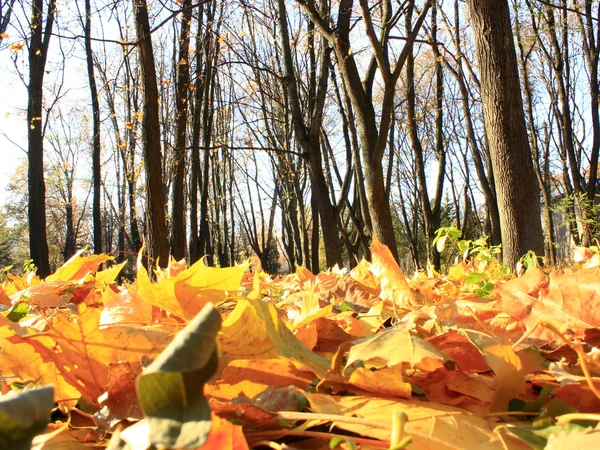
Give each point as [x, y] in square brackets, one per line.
[571, 300]
[382, 382]
[393, 282]
[264, 336]
[506, 365]
[431, 426]
[82, 352]
[19, 359]
[79, 267]
[391, 347]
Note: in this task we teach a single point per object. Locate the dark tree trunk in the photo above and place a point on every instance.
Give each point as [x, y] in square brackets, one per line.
[533, 136]
[517, 191]
[308, 139]
[211, 52]
[181, 102]
[157, 229]
[69, 249]
[194, 250]
[372, 128]
[38, 52]
[431, 213]
[96, 175]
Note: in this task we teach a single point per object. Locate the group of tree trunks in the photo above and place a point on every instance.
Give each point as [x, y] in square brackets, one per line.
[199, 163]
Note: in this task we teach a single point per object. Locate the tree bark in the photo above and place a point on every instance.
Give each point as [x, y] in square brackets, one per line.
[550, 249]
[307, 137]
[373, 133]
[158, 243]
[38, 52]
[181, 102]
[517, 191]
[96, 175]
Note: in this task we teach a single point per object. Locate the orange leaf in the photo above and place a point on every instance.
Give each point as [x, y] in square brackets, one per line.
[384, 382]
[270, 372]
[393, 282]
[124, 306]
[510, 376]
[78, 267]
[225, 435]
[461, 350]
[82, 352]
[19, 359]
[571, 299]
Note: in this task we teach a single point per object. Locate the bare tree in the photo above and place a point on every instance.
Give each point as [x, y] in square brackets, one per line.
[96, 143]
[178, 238]
[373, 133]
[157, 229]
[38, 54]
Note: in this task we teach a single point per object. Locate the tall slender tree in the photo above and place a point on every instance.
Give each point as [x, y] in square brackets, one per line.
[178, 240]
[96, 173]
[373, 128]
[155, 211]
[308, 135]
[38, 54]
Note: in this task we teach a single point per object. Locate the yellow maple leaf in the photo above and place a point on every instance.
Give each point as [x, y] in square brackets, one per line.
[432, 426]
[254, 330]
[83, 352]
[200, 284]
[19, 359]
[502, 359]
[393, 282]
[387, 381]
[78, 267]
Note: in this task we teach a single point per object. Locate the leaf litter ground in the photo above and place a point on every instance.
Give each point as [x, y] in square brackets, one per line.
[203, 357]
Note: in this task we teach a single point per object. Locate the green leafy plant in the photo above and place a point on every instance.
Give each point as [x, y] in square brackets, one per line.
[475, 264]
[29, 266]
[529, 261]
[450, 238]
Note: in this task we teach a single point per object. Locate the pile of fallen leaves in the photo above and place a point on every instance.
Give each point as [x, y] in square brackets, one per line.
[211, 358]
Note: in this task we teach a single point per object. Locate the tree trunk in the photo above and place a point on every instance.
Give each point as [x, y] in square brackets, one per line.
[181, 102]
[550, 250]
[307, 137]
[373, 133]
[158, 243]
[38, 52]
[517, 191]
[96, 175]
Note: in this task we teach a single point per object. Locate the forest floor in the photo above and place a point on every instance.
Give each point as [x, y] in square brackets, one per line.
[229, 358]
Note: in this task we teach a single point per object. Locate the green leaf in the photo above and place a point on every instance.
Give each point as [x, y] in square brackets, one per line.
[441, 242]
[475, 277]
[454, 232]
[463, 248]
[345, 306]
[556, 407]
[24, 415]
[18, 311]
[537, 437]
[338, 440]
[519, 405]
[170, 390]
